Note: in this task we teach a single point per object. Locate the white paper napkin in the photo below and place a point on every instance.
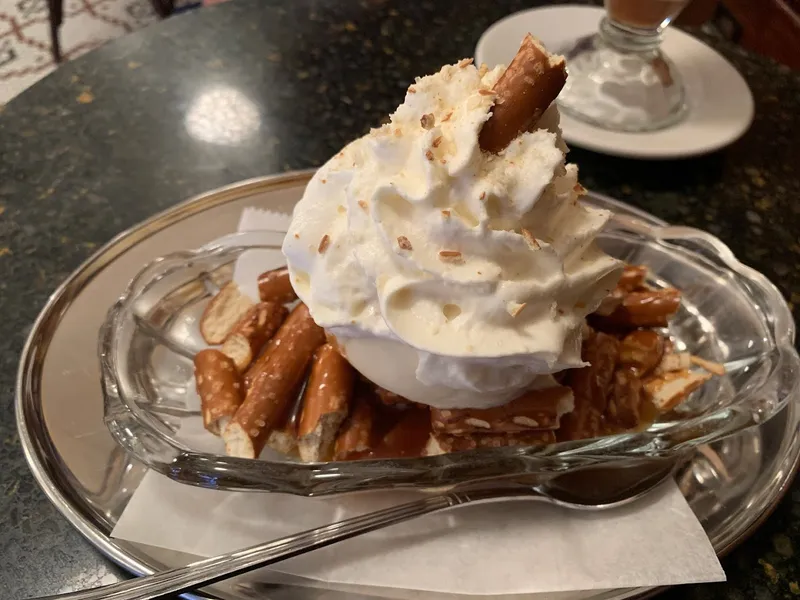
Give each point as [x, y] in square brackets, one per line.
[486, 550]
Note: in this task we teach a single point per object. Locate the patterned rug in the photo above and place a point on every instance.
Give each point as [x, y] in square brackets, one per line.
[25, 55]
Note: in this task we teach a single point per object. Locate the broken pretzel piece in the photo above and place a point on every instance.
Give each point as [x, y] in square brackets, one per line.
[252, 331]
[535, 409]
[275, 286]
[223, 312]
[218, 387]
[648, 308]
[273, 387]
[670, 389]
[325, 404]
[528, 86]
[442, 443]
[641, 351]
[355, 437]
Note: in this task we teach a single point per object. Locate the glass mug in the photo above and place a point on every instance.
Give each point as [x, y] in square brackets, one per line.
[619, 79]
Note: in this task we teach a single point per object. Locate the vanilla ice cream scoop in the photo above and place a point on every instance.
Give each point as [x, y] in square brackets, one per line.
[449, 275]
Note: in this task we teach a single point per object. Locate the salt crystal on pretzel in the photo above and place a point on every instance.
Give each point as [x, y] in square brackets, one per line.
[325, 404]
[524, 91]
[535, 409]
[273, 388]
[275, 286]
[218, 387]
[441, 443]
[223, 312]
[252, 331]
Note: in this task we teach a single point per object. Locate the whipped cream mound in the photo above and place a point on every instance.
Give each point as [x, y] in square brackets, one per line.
[448, 275]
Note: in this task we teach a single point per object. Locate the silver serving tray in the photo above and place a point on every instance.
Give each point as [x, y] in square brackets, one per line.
[731, 485]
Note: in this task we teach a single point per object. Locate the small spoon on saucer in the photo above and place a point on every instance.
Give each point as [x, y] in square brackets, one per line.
[211, 570]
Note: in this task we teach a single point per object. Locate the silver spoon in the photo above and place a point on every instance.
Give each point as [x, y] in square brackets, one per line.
[211, 570]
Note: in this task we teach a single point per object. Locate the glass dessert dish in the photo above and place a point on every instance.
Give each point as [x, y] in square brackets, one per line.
[619, 79]
[729, 314]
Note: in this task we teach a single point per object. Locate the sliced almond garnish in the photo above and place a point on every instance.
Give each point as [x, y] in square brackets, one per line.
[484, 92]
[446, 214]
[404, 243]
[514, 308]
[447, 116]
[482, 70]
[324, 243]
[429, 155]
[436, 142]
[450, 255]
[530, 240]
[465, 62]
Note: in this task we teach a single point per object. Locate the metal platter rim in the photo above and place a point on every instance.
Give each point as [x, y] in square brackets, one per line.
[41, 455]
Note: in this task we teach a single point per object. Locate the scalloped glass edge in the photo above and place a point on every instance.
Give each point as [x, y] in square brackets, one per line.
[147, 440]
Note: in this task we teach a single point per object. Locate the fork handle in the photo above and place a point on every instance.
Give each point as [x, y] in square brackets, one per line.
[211, 570]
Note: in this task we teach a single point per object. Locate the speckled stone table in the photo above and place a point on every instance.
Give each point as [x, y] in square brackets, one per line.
[259, 86]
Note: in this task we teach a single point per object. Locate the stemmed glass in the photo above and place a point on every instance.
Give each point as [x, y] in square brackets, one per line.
[619, 79]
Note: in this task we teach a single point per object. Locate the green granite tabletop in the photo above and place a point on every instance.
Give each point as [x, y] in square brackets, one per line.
[111, 138]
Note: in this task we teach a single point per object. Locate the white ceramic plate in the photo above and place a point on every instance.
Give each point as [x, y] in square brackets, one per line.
[720, 103]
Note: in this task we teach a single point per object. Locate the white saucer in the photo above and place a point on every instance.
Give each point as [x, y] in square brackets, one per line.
[720, 103]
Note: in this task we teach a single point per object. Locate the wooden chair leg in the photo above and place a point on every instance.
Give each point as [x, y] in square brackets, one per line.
[56, 16]
[163, 8]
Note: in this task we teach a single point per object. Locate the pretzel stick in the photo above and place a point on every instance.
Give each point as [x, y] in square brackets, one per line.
[218, 387]
[252, 331]
[273, 388]
[275, 286]
[441, 443]
[529, 85]
[299, 314]
[325, 404]
[535, 409]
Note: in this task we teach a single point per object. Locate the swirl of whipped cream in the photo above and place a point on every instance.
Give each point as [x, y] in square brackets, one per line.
[451, 276]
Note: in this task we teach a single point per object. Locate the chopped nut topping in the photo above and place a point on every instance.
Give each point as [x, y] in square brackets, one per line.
[443, 161]
[364, 206]
[514, 308]
[450, 255]
[465, 62]
[446, 214]
[483, 195]
[324, 243]
[403, 242]
[297, 236]
[579, 189]
[412, 90]
[531, 241]
[429, 155]
[437, 141]
[427, 121]
[477, 423]
[398, 133]
[447, 116]
[324, 180]
[486, 92]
